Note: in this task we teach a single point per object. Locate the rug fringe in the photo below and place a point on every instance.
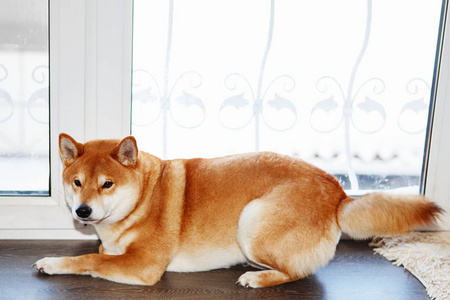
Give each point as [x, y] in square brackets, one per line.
[425, 254]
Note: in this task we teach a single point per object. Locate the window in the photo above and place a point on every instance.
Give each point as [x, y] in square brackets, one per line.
[345, 85]
[24, 98]
[90, 81]
[90, 48]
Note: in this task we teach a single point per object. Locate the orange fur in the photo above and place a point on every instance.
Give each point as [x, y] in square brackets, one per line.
[381, 214]
[273, 211]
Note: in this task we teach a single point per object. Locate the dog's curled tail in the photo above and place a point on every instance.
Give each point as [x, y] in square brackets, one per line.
[379, 214]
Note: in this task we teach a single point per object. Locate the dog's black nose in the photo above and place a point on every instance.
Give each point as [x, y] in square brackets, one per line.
[83, 211]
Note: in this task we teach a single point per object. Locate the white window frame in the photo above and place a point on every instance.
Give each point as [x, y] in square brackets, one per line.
[90, 97]
[90, 80]
[437, 184]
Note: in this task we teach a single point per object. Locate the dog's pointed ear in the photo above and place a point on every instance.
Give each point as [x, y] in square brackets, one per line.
[69, 149]
[126, 152]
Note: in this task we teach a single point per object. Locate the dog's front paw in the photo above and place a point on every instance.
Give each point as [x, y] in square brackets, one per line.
[49, 265]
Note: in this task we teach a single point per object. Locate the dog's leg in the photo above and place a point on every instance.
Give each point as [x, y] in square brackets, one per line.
[290, 238]
[130, 268]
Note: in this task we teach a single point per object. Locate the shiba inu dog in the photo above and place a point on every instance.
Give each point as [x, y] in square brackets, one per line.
[275, 212]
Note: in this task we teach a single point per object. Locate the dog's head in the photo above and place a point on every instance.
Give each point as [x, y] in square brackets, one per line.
[101, 182]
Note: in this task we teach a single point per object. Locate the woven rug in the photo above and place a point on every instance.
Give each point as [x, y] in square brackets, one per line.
[425, 254]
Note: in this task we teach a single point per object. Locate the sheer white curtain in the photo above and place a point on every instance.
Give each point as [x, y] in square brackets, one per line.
[24, 98]
[345, 85]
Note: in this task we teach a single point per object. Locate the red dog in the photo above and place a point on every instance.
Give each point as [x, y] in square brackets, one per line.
[273, 211]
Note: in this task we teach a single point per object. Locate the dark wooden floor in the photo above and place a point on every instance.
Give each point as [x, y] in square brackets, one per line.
[355, 273]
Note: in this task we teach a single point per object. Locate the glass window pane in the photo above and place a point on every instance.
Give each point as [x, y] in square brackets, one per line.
[344, 84]
[24, 98]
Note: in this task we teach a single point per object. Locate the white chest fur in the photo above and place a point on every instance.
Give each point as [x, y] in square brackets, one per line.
[115, 243]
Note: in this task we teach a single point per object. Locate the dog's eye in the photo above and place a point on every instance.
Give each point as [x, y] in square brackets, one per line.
[107, 185]
[77, 182]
